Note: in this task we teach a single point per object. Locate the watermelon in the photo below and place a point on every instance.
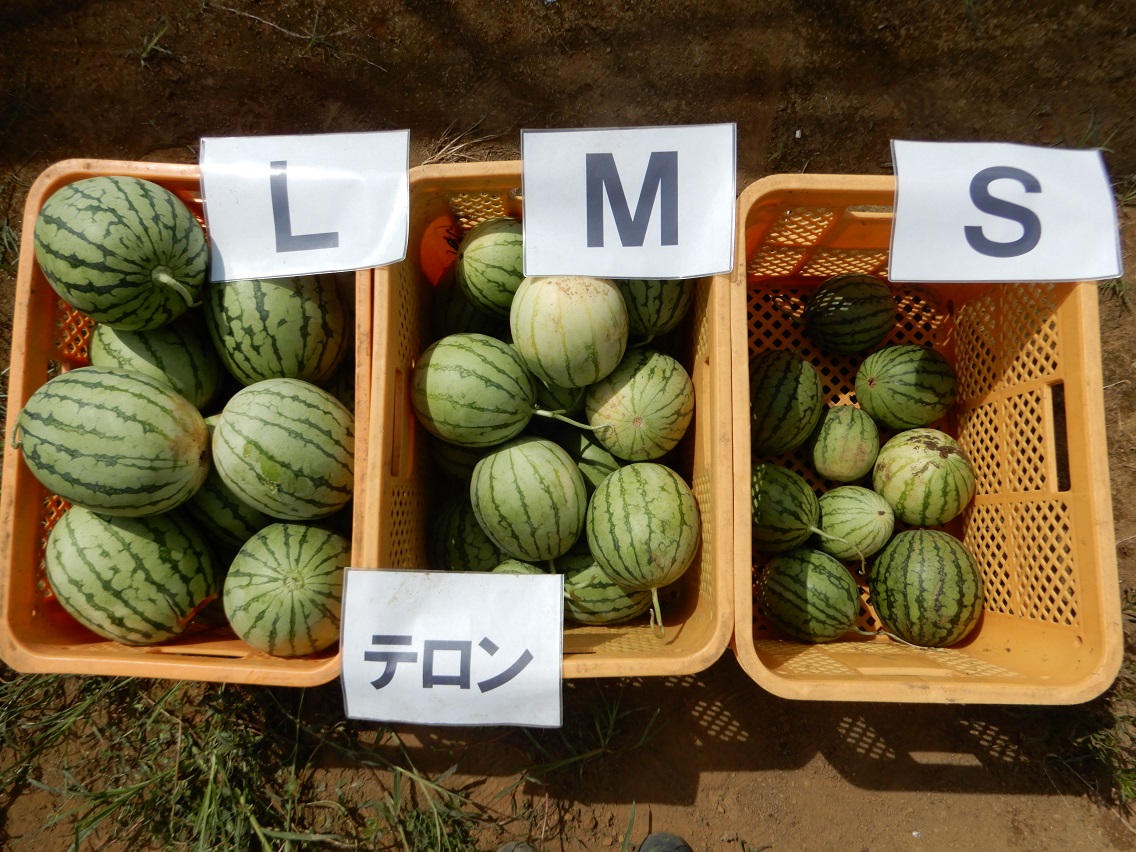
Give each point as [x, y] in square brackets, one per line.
[592, 597]
[655, 306]
[179, 354]
[451, 312]
[906, 386]
[643, 408]
[114, 441]
[783, 508]
[472, 389]
[593, 459]
[643, 528]
[925, 476]
[571, 331]
[286, 447]
[530, 498]
[283, 593]
[926, 588]
[786, 398]
[123, 250]
[849, 313]
[295, 328]
[138, 581]
[454, 460]
[516, 566]
[845, 444]
[809, 596]
[855, 522]
[490, 264]
[557, 400]
[456, 540]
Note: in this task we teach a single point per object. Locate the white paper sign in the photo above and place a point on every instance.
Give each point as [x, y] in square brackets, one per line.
[453, 648]
[300, 205]
[643, 202]
[979, 211]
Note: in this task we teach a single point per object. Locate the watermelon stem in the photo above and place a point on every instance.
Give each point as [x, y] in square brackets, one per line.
[657, 615]
[844, 541]
[893, 637]
[556, 415]
[161, 275]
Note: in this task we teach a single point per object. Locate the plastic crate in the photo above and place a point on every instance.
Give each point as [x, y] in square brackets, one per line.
[1030, 415]
[403, 486]
[36, 634]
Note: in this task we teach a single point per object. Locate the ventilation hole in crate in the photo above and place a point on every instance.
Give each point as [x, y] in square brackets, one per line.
[1028, 461]
[827, 263]
[775, 261]
[801, 226]
[980, 436]
[473, 207]
[74, 330]
[1060, 437]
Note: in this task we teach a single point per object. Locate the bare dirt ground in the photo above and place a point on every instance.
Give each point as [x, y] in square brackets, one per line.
[812, 86]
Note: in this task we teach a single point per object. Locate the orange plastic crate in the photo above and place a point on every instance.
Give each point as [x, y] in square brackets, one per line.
[36, 634]
[402, 485]
[1030, 415]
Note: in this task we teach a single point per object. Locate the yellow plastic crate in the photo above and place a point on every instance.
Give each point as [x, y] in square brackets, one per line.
[1031, 416]
[402, 485]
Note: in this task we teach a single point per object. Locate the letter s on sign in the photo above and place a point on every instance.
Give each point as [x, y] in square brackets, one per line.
[987, 203]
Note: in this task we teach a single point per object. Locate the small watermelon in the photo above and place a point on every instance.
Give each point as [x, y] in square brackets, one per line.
[515, 566]
[849, 313]
[490, 264]
[456, 541]
[854, 522]
[845, 445]
[925, 476]
[655, 306]
[926, 588]
[809, 596]
[592, 597]
[786, 397]
[906, 386]
[451, 312]
[784, 508]
[283, 593]
[125, 251]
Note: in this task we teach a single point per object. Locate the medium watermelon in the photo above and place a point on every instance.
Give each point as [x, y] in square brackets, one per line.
[786, 398]
[845, 444]
[283, 593]
[125, 251]
[655, 306]
[592, 457]
[643, 408]
[906, 386]
[286, 447]
[138, 581]
[114, 441]
[592, 597]
[925, 476]
[456, 541]
[490, 264]
[783, 508]
[926, 588]
[809, 596]
[570, 330]
[854, 522]
[849, 313]
[516, 566]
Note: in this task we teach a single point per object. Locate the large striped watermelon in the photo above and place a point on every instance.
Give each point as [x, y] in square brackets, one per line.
[287, 448]
[786, 400]
[926, 588]
[284, 589]
[571, 330]
[138, 581]
[114, 441]
[925, 476]
[655, 306]
[845, 444]
[530, 498]
[473, 390]
[854, 522]
[906, 386]
[123, 250]
[849, 313]
[179, 354]
[456, 541]
[490, 264]
[783, 508]
[809, 596]
[643, 408]
[272, 328]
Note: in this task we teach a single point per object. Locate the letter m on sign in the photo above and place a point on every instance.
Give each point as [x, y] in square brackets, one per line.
[660, 181]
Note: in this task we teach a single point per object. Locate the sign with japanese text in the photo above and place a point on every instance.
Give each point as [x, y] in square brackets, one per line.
[985, 211]
[299, 205]
[452, 648]
[640, 202]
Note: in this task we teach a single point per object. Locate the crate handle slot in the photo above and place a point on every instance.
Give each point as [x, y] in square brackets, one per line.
[402, 429]
[1060, 432]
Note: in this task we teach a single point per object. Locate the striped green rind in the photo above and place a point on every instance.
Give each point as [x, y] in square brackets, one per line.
[655, 306]
[451, 312]
[809, 596]
[457, 541]
[473, 390]
[906, 386]
[286, 447]
[786, 397]
[138, 581]
[643, 526]
[592, 597]
[270, 328]
[643, 408]
[570, 330]
[516, 566]
[109, 246]
[530, 498]
[179, 354]
[284, 589]
[925, 476]
[566, 401]
[850, 313]
[926, 588]
[784, 509]
[490, 264]
[114, 441]
[455, 460]
[592, 457]
[856, 522]
[845, 444]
